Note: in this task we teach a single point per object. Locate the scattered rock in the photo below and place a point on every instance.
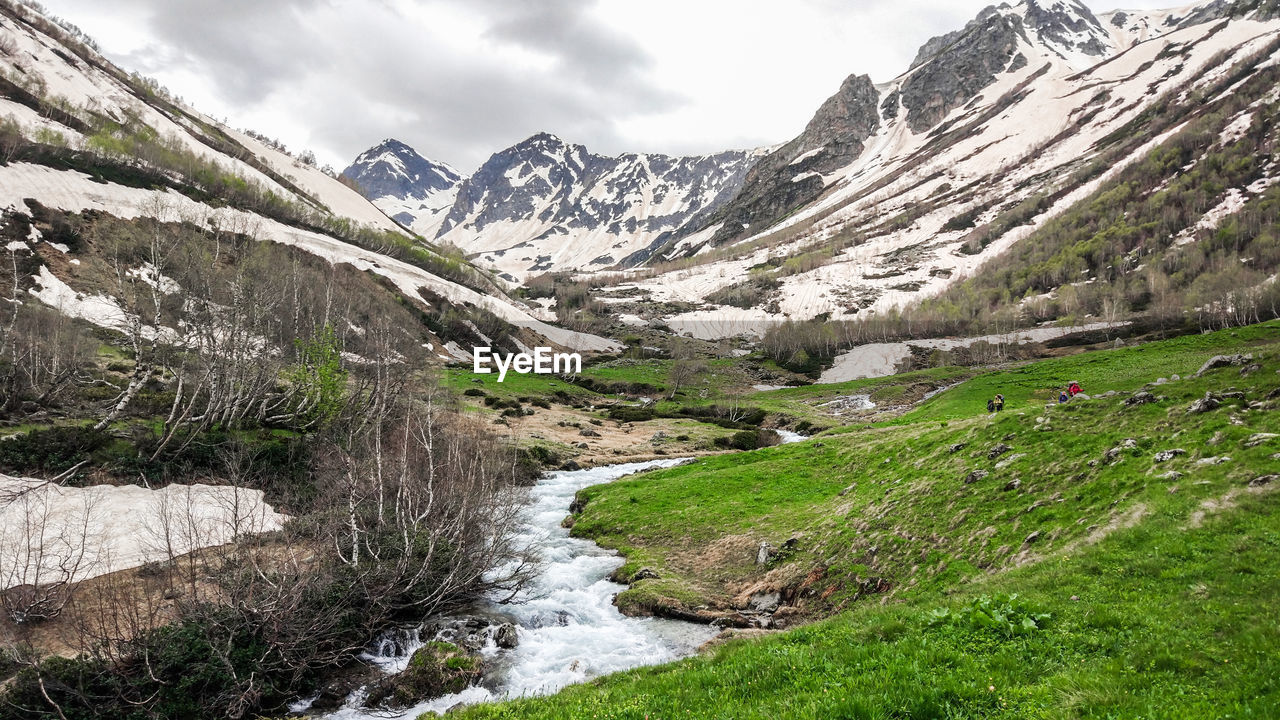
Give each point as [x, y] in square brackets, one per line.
[1010, 460]
[1129, 444]
[588, 432]
[764, 602]
[997, 451]
[1213, 460]
[1171, 475]
[658, 437]
[764, 553]
[1013, 484]
[1167, 455]
[975, 476]
[1204, 404]
[1075, 598]
[1218, 361]
[1111, 455]
[1262, 480]
[1250, 369]
[1082, 396]
[1140, 398]
[957, 447]
[848, 490]
[1032, 538]
[1257, 439]
[644, 573]
[583, 446]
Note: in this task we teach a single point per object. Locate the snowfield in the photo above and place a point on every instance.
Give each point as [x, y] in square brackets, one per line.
[51, 533]
[76, 192]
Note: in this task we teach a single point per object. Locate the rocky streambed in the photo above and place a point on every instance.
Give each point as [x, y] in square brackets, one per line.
[562, 629]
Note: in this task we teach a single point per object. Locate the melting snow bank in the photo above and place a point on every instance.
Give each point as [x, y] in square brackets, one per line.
[50, 533]
[881, 359]
[568, 628]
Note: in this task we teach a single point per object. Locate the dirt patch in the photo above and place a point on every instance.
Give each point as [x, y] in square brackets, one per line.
[1226, 501]
[612, 442]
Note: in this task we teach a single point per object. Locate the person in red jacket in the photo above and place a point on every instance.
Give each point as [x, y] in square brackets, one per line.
[1074, 389]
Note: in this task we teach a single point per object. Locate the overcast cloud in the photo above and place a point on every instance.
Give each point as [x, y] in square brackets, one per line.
[461, 79]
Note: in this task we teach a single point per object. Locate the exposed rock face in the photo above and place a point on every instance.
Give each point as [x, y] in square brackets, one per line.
[966, 62]
[402, 183]
[791, 175]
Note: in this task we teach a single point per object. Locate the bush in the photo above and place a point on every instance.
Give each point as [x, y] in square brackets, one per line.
[51, 451]
[1006, 615]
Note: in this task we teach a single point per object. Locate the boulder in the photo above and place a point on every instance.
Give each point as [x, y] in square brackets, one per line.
[588, 432]
[975, 476]
[437, 668]
[1257, 439]
[764, 553]
[1262, 480]
[1013, 484]
[1218, 361]
[1213, 460]
[957, 447]
[997, 451]
[1167, 455]
[764, 602]
[1204, 404]
[644, 573]
[1140, 398]
[506, 636]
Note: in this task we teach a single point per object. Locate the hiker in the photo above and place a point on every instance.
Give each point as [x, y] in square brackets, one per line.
[999, 402]
[1063, 397]
[1074, 389]
[991, 405]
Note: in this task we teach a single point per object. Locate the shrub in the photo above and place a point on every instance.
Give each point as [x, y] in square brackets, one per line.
[1006, 615]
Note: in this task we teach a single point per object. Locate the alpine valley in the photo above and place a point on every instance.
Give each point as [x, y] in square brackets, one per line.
[962, 403]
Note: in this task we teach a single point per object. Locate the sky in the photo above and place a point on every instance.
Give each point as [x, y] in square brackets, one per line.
[461, 79]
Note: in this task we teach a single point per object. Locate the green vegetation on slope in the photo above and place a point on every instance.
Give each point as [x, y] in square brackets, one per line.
[1162, 620]
[1156, 574]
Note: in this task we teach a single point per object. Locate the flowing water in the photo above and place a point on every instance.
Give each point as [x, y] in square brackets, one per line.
[568, 628]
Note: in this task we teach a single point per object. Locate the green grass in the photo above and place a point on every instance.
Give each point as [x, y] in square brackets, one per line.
[1166, 622]
[1034, 384]
[1174, 617]
[802, 402]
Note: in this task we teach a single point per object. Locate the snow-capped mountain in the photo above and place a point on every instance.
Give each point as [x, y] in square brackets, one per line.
[1031, 105]
[406, 186]
[545, 204]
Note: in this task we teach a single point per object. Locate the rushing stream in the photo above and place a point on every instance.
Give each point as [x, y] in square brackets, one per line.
[568, 628]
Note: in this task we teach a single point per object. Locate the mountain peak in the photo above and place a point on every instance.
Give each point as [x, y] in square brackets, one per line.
[393, 168]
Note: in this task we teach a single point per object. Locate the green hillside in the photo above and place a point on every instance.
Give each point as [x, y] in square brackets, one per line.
[1149, 583]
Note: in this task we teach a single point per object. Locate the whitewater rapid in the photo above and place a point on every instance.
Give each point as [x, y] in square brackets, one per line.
[569, 630]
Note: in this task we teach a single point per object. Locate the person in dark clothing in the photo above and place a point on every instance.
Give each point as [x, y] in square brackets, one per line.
[991, 405]
[999, 403]
[1063, 397]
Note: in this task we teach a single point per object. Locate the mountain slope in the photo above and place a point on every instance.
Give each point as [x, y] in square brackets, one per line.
[82, 135]
[547, 205]
[997, 129]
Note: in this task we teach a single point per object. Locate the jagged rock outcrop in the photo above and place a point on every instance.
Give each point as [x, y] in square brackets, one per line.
[791, 176]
